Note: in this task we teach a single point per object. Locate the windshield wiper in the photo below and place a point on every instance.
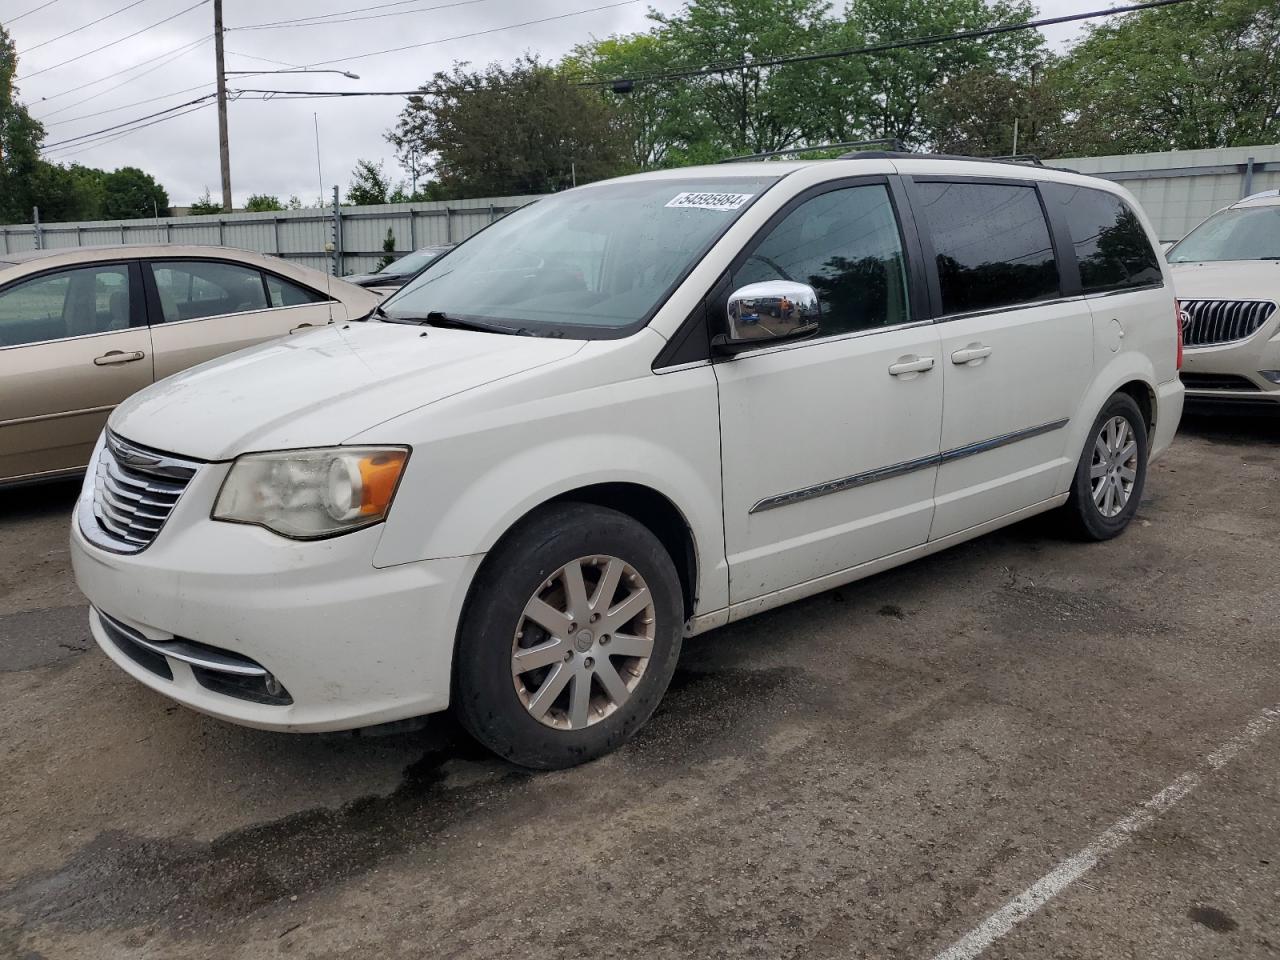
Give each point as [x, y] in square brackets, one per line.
[438, 318]
[377, 312]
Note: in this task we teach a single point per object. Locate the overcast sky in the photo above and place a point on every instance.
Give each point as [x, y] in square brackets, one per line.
[273, 142]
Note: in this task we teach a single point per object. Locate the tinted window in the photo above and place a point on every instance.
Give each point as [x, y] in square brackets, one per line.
[1111, 246]
[286, 294]
[992, 245]
[846, 245]
[191, 289]
[70, 303]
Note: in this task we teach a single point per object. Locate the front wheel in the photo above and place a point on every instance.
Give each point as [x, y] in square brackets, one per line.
[1111, 473]
[570, 638]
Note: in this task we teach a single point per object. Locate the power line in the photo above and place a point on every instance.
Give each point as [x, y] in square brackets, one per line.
[476, 33]
[126, 106]
[317, 22]
[13, 20]
[127, 123]
[709, 70]
[45, 43]
[162, 61]
[302, 94]
[198, 3]
[108, 139]
[254, 56]
[321, 16]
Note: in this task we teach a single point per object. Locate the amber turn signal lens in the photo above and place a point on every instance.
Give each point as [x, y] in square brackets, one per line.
[378, 477]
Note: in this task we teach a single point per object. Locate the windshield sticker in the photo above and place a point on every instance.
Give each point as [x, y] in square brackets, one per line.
[710, 201]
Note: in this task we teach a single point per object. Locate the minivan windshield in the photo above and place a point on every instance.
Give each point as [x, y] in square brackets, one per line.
[1245, 233]
[590, 263]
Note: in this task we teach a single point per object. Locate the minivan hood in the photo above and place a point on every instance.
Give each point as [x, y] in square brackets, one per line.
[1227, 280]
[321, 387]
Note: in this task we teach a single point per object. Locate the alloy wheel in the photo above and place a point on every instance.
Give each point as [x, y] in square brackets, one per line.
[583, 642]
[1114, 468]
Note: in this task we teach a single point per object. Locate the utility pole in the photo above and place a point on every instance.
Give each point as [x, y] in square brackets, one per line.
[224, 145]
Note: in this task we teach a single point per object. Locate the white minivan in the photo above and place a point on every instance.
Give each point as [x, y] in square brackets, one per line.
[623, 415]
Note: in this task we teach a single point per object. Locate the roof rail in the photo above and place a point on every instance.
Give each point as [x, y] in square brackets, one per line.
[1019, 158]
[892, 143]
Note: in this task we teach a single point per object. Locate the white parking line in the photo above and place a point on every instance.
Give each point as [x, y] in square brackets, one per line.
[1073, 868]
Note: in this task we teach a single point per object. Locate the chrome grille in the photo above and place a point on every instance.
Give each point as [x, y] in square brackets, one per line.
[1211, 322]
[134, 491]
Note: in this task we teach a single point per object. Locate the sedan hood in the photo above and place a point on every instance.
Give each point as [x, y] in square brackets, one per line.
[1227, 280]
[321, 387]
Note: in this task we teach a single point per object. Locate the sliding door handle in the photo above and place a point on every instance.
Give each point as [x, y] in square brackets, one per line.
[973, 353]
[910, 365]
[117, 356]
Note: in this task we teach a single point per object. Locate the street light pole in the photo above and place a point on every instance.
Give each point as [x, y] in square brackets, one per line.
[224, 143]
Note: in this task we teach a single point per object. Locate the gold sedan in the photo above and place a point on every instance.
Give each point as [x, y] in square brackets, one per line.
[83, 328]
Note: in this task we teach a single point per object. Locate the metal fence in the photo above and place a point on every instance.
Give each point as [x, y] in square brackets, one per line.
[356, 233]
[1177, 189]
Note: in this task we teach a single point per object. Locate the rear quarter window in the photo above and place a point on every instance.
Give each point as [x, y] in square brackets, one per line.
[1111, 246]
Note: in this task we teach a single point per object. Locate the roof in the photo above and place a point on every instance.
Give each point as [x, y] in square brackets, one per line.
[103, 251]
[1266, 198]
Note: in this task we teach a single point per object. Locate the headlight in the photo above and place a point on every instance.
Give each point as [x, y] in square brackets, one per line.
[307, 494]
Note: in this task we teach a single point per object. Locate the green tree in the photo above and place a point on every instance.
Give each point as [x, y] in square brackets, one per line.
[131, 194]
[369, 184]
[72, 192]
[889, 89]
[1186, 77]
[973, 114]
[388, 250]
[20, 138]
[753, 109]
[508, 130]
[205, 205]
[262, 203]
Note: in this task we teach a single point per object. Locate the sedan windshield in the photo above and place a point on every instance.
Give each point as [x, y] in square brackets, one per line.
[593, 262]
[411, 263]
[1245, 233]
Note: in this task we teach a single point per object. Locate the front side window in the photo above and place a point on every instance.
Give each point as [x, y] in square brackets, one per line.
[1111, 245]
[1245, 233]
[593, 262]
[846, 245]
[992, 245]
[69, 303]
[194, 289]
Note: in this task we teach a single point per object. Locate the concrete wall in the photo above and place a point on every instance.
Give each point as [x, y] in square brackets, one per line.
[1179, 188]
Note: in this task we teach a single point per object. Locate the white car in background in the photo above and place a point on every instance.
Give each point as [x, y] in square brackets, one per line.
[620, 416]
[1227, 275]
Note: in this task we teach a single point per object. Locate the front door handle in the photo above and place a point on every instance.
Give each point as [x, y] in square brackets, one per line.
[973, 353]
[117, 356]
[910, 365]
[301, 326]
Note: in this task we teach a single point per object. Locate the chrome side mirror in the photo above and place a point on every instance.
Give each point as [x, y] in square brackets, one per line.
[768, 312]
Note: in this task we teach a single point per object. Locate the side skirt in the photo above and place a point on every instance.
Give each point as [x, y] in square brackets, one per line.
[746, 608]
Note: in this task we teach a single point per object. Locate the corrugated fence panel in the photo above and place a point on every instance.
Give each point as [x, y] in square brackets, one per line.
[299, 235]
[1177, 189]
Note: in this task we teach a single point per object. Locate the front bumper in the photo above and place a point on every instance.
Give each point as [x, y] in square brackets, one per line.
[1229, 373]
[352, 644]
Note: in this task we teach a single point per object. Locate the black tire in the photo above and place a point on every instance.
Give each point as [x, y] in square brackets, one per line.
[1084, 519]
[485, 697]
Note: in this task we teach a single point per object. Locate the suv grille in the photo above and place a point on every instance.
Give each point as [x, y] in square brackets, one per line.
[134, 491]
[1210, 322]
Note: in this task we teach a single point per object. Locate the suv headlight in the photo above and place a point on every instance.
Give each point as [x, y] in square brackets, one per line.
[307, 494]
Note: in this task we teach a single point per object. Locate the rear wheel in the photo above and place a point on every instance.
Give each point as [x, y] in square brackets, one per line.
[1111, 472]
[570, 638]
